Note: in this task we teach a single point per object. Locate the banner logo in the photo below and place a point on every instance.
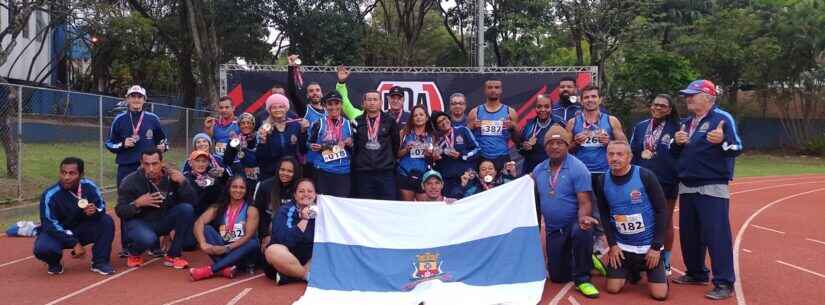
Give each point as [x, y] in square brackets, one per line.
[416, 92]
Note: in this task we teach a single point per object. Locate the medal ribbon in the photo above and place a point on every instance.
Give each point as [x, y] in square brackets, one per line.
[335, 130]
[554, 177]
[79, 191]
[449, 138]
[231, 216]
[372, 129]
[538, 127]
[652, 135]
[136, 129]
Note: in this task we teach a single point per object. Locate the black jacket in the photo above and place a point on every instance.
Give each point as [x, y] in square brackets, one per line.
[136, 184]
[376, 160]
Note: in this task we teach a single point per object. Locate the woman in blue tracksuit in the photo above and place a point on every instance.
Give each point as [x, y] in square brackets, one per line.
[459, 149]
[277, 137]
[248, 165]
[487, 177]
[227, 233]
[415, 153]
[650, 143]
[293, 235]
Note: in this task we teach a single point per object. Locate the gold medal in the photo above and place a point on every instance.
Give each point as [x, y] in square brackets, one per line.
[647, 154]
[336, 149]
[82, 203]
[266, 127]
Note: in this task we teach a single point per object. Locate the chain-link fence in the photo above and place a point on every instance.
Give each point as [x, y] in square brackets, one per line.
[39, 127]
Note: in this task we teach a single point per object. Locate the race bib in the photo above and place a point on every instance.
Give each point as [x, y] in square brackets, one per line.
[417, 151]
[492, 128]
[629, 224]
[220, 148]
[330, 156]
[234, 234]
[592, 140]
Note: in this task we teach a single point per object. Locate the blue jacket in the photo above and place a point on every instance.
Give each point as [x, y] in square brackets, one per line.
[466, 145]
[278, 144]
[703, 163]
[285, 229]
[151, 134]
[59, 212]
[662, 164]
[534, 156]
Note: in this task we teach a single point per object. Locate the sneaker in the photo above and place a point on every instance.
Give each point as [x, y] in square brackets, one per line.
[587, 289]
[55, 269]
[720, 292]
[667, 270]
[103, 269]
[599, 266]
[200, 273]
[666, 262]
[175, 262]
[124, 253]
[133, 261]
[228, 272]
[156, 253]
[688, 280]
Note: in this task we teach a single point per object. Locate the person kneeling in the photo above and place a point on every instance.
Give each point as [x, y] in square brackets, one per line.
[293, 233]
[433, 185]
[73, 214]
[632, 200]
[227, 233]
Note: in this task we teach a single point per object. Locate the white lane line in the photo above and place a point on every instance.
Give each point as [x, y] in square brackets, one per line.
[238, 297]
[802, 269]
[767, 229]
[816, 241]
[572, 300]
[677, 270]
[108, 279]
[746, 250]
[560, 295]
[213, 290]
[740, 295]
[16, 261]
[769, 180]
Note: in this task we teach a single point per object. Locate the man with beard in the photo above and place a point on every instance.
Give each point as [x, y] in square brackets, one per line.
[313, 110]
[567, 106]
[534, 131]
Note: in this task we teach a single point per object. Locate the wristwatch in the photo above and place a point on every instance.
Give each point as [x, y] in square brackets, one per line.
[657, 246]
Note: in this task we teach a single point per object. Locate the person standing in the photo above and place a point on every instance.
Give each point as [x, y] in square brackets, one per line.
[705, 148]
[224, 128]
[534, 131]
[376, 143]
[650, 143]
[278, 136]
[458, 106]
[632, 206]
[459, 150]
[330, 144]
[564, 193]
[494, 124]
[73, 214]
[416, 152]
[567, 107]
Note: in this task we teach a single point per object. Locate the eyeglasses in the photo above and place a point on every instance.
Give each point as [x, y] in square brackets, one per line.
[457, 103]
[654, 105]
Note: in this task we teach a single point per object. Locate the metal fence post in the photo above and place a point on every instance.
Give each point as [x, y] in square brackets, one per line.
[20, 143]
[101, 142]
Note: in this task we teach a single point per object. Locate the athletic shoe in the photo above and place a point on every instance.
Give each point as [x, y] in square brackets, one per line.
[667, 270]
[55, 269]
[124, 253]
[156, 252]
[688, 280]
[599, 266]
[200, 273]
[228, 272]
[587, 289]
[175, 262]
[720, 292]
[103, 269]
[133, 261]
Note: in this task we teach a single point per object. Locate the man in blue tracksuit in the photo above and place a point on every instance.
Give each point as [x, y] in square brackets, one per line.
[134, 131]
[567, 107]
[705, 147]
[224, 128]
[73, 214]
[533, 132]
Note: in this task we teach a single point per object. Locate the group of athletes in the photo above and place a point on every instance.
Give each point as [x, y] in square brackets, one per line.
[246, 193]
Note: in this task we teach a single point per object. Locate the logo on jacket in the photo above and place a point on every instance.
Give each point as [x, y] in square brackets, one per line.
[424, 92]
[293, 140]
[459, 140]
[665, 139]
[427, 267]
[704, 127]
[635, 196]
[149, 134]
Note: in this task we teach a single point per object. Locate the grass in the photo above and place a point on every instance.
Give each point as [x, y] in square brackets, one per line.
[775, 165]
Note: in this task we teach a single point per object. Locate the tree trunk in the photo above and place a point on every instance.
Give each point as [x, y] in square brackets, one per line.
[8, 128]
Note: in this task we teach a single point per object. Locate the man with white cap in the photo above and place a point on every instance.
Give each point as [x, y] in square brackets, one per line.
[564, 189]
[705, 148]
[134, 131]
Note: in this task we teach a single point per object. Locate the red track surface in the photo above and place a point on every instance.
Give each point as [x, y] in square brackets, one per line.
[780, 257]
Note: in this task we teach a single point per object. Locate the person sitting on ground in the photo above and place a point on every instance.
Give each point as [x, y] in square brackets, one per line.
[433, 185]
[227, 233]
[293, 234]
[275, 192]
[73, 214]
[203, 142]
[154, 201]
[487, 177]
[206, 180]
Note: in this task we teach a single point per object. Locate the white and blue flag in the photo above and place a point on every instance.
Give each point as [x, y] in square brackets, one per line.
[484, 249]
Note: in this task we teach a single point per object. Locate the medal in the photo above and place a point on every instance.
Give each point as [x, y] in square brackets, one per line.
[136, 129]
[647, 154]
[234, 143]
[488, 179]
[82, 203]
[266, 127]
[372, 133]
[373, 145]
[554, 178]
[573, 99]
[313, 211]
[336, 149]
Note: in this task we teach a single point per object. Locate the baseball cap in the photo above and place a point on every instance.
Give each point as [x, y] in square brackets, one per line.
[396, 90]
[198, 153]
[699, 86]
[136, 89]
[332, 96]
[430, 174]
[556, 132]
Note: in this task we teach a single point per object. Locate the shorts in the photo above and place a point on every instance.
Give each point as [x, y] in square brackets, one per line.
[671, 191]
[409, 183]
[635, 263]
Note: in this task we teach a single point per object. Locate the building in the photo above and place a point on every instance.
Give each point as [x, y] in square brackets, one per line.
[33, 56]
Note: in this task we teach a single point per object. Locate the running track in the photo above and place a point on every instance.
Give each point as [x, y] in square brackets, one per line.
[779, 255]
